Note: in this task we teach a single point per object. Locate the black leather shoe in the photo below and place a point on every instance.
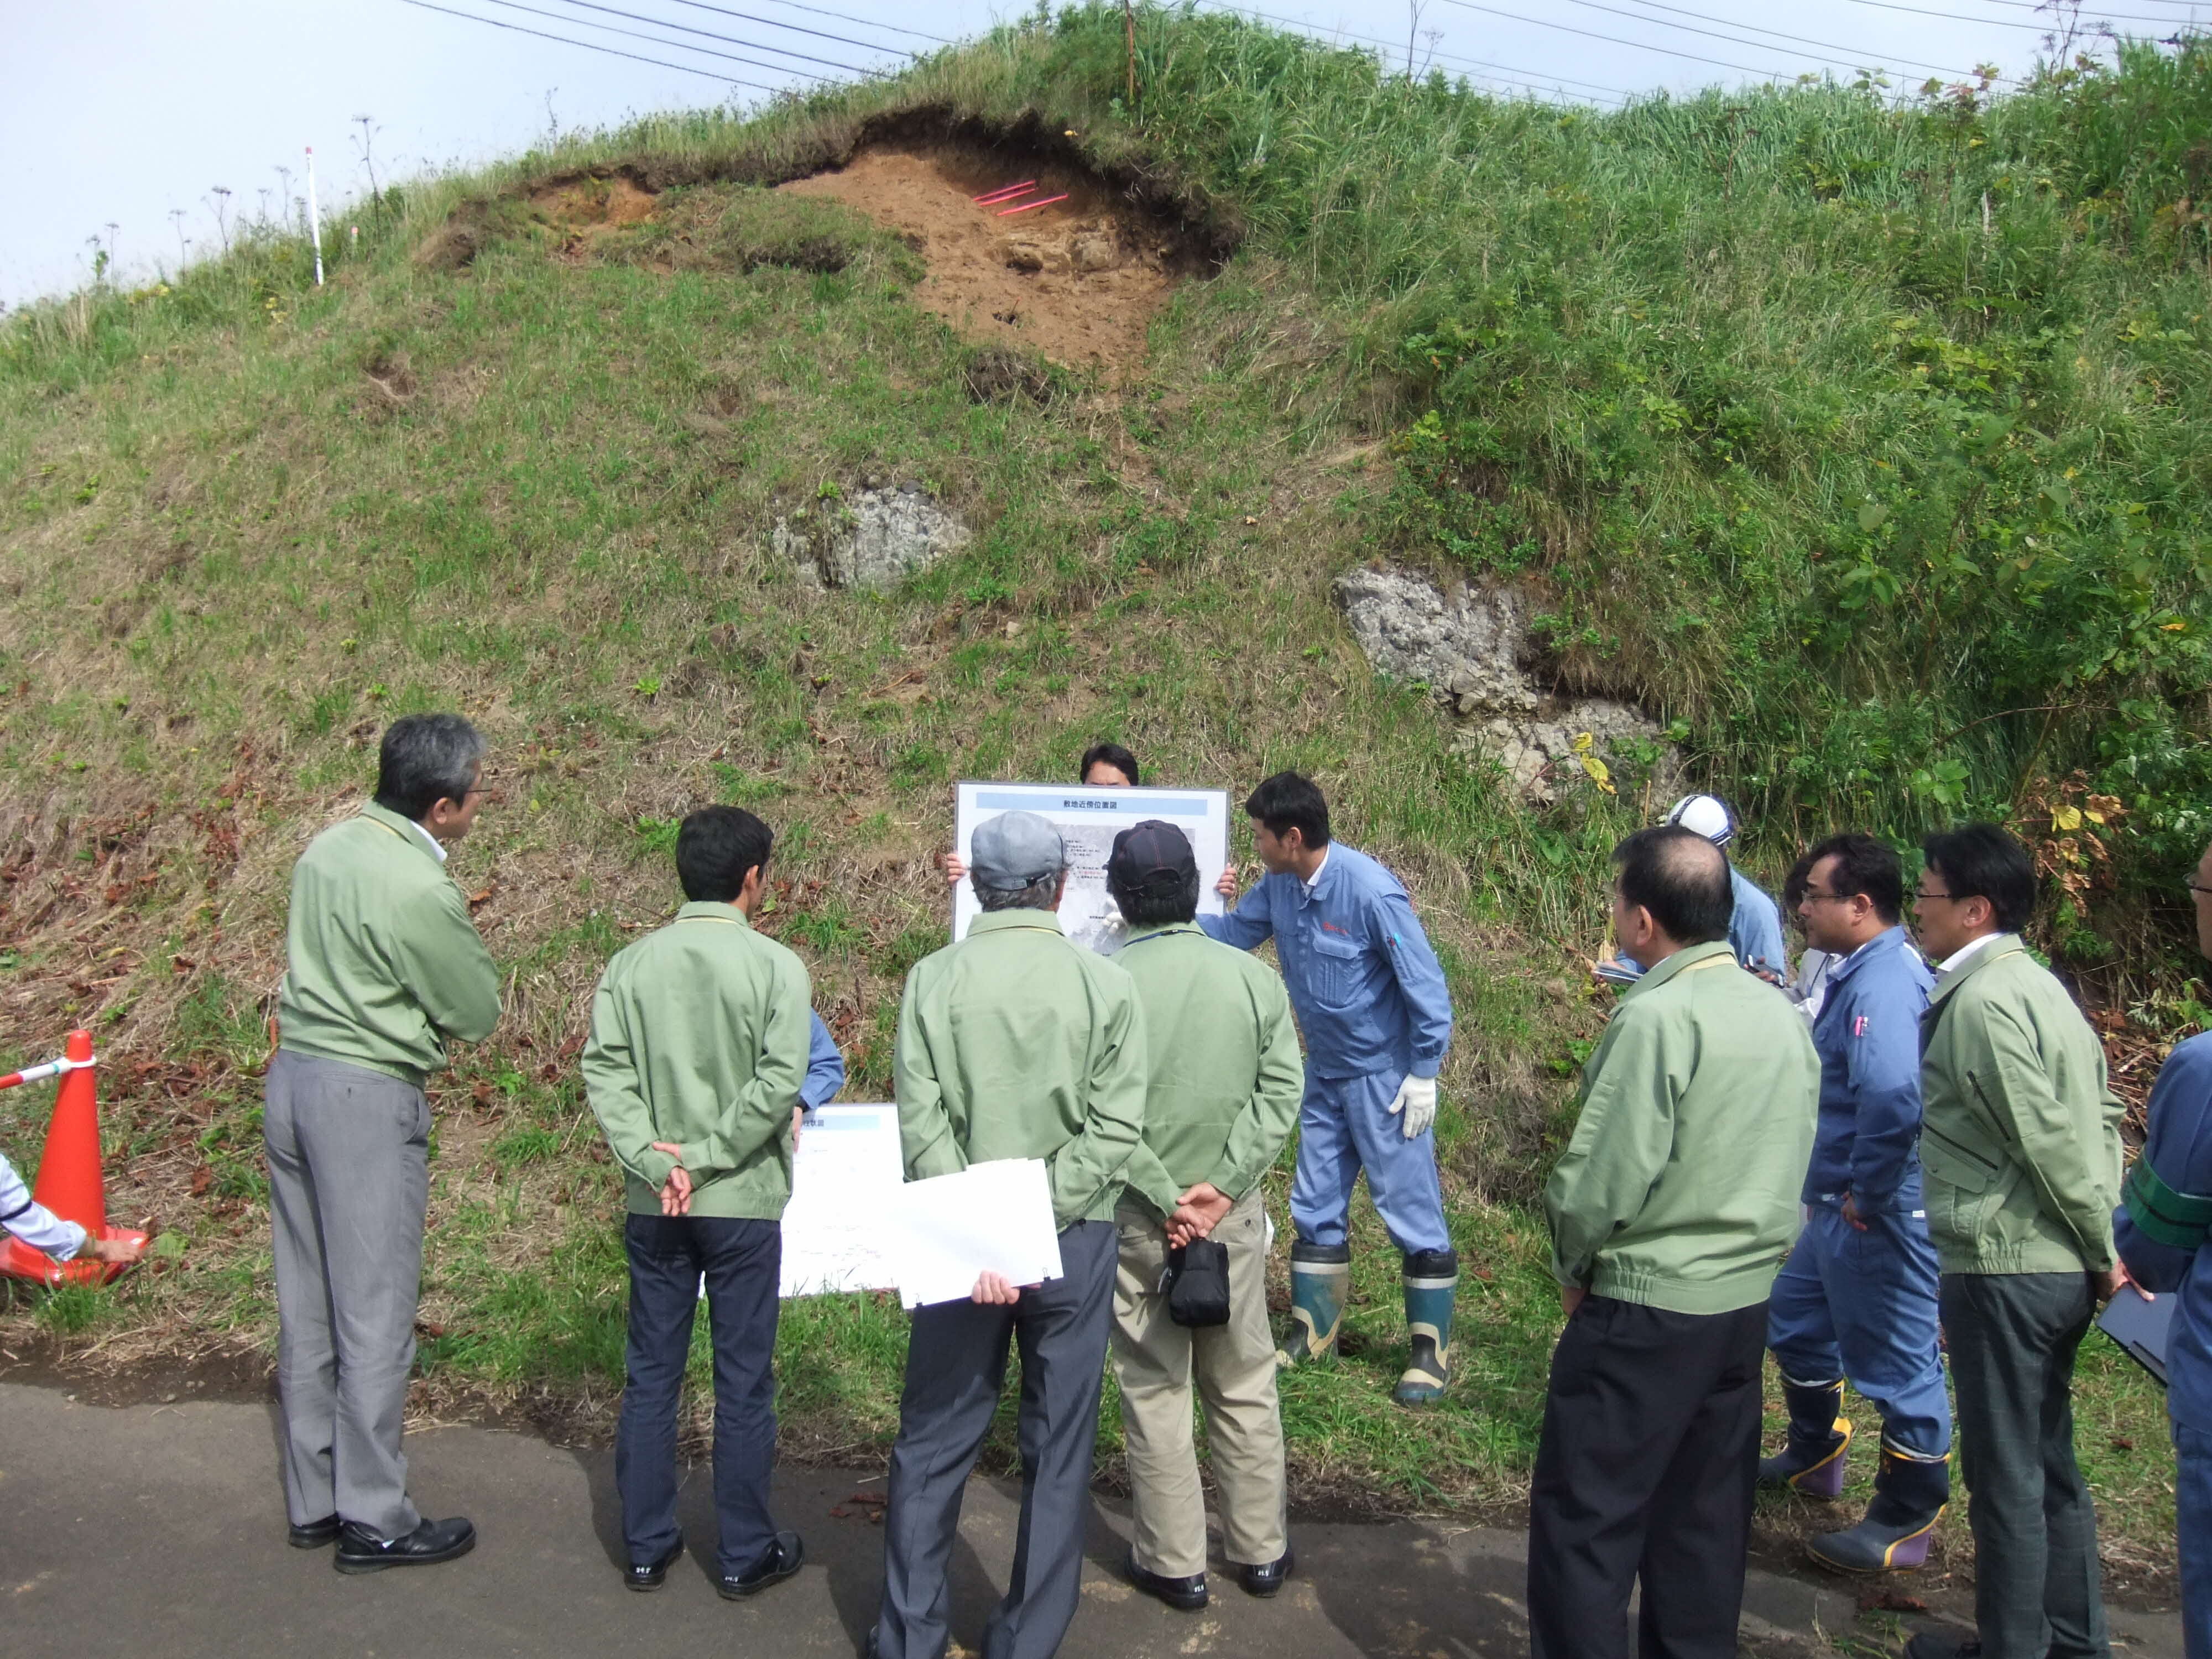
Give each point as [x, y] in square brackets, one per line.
[789, 1556]
[361, 1550]
[649, 1575]
[1187, 1594]
[314, 1534]
[1943, 1645]
[1268, 1578]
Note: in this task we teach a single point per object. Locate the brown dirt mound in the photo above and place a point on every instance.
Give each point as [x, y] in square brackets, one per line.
[585, 209]
[1078, 280]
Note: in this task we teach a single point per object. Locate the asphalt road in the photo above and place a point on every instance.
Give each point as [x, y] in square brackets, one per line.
[150, 1531]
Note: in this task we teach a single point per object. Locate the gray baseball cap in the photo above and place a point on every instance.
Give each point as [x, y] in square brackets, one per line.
[1014, 850]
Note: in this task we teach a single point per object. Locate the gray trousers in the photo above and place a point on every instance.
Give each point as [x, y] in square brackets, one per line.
[2036, 1587]
[348, 1181]
[956, 1364]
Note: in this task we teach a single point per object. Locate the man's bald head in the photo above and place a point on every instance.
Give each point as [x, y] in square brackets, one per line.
[1680, 879]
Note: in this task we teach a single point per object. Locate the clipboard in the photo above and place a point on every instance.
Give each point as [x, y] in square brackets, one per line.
[2139, 1327]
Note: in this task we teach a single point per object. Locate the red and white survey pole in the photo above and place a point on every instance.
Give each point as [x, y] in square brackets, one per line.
[41, 1073]
[314, 218]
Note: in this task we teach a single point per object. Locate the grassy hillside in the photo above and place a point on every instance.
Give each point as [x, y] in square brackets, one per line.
[1858, 438]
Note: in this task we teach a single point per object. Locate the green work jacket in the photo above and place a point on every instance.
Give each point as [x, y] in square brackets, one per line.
[1679, 1188]
[2020, 1135]
[1224, 1078]
[384, 964]
[699, 1038]
[1016, 1042]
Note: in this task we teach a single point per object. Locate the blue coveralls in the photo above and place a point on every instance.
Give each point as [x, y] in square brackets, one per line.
[2180, 1151]
[1371, 999]
[1755, 929]
[1856, 1304]
[825, 1067]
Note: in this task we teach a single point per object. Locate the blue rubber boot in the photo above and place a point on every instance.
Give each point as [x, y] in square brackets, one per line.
[1431, 1285]
[1321, 1275]
[1910, 1494]
[1812, 1461]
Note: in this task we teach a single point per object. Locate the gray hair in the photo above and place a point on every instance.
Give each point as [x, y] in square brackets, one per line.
[425, 759]
[1042, 893]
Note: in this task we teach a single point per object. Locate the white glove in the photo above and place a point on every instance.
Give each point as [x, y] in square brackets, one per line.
[1417, 1099]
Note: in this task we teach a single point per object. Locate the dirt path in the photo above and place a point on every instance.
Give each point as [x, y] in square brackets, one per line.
[158, 1529]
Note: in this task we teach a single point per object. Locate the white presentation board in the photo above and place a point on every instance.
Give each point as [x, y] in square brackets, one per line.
[994, 1217]
[844, 1184]
[1088, 817]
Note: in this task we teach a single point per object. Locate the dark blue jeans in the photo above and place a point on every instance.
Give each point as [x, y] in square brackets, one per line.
[742, 1261]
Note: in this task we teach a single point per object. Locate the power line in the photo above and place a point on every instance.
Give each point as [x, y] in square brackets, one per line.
[2007, 23]
[685, 28]
[1734, 39]
[679, 45]
[1314, 33]
[1508, 71]
[1801, 41]
[866, 22]
[1613, 39]
[2039, 5]
[794, 29]
[593, 46]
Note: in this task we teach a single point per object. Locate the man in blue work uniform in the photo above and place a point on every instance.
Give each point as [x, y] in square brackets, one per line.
[1370, 1001]
[825, 1067]
[2161, 1230]
[1858, 1297]
[1755, 930]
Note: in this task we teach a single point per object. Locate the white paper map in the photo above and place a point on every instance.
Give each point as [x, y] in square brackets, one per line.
[994, 1217]
[843, 1183]
[1088, 818]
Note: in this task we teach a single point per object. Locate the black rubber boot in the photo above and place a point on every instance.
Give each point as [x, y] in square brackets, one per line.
[1812, 1461]
[1321, 1274]
[1431, 1287]
[1910, 1494]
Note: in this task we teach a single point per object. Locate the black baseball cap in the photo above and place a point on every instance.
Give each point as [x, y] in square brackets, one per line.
[1148, 852]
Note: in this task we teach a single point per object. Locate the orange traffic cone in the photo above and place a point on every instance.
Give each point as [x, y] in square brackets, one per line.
[69, 1180]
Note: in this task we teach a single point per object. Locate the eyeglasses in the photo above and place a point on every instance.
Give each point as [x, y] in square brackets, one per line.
[1936, 898]
[1815, 896]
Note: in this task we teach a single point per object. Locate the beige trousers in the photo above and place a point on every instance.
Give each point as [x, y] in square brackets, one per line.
[1155, 1360]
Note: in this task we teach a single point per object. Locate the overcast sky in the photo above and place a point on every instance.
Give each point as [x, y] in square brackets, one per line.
[120, 111]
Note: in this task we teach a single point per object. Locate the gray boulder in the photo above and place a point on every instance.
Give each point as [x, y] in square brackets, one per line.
[875, 539]
[1467, 648]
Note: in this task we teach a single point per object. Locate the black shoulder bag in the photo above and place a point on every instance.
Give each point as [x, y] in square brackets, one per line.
[1198, 1284]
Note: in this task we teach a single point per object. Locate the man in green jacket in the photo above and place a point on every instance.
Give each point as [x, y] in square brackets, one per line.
[1225, 1081]
[1671, 1210]
[2019, 1141]
[385, 966]
[700, 1037]
[1014, 1042]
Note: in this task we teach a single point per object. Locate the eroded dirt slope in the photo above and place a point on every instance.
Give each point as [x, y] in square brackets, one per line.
[1078, 279]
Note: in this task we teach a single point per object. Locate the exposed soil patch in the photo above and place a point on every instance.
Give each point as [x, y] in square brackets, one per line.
[586, 207]
[222, 1374]
[1077, 279]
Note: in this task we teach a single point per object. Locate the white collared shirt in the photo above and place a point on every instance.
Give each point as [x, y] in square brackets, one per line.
[436, 846]
[1965, 952]
[1315, 881]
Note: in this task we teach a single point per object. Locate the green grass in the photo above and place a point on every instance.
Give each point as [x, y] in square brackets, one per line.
[1896, 516]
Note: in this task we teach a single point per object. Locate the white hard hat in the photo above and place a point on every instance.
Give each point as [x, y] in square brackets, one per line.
[1706, 815]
